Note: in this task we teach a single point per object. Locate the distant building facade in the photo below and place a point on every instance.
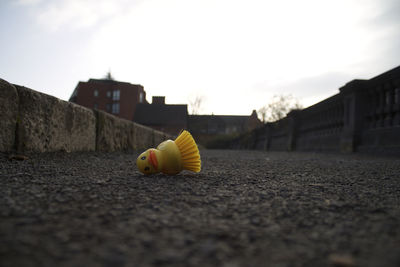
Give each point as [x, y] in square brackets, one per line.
[128, 101]
[163, 117]
[207, 127]
[115, 97]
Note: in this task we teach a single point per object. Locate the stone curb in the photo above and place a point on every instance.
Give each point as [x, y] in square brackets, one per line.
[115, 134]
[35, 122]
[47, 123]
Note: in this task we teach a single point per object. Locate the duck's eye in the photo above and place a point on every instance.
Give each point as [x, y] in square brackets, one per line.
[143, 158]
[147, 168]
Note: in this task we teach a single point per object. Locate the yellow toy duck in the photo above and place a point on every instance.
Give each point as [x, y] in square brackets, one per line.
[171, 157]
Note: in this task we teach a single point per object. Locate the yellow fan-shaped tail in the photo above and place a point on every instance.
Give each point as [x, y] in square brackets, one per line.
[189, 152]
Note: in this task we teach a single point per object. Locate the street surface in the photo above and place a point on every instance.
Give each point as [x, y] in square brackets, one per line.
[245, 208]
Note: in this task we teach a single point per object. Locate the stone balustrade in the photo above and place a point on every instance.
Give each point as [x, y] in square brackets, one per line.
[364, 116]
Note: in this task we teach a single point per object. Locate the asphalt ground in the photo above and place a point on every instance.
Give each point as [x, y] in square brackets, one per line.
[245, 208]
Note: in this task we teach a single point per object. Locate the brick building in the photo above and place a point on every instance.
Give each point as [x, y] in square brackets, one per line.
[163, 117]
[109, 95]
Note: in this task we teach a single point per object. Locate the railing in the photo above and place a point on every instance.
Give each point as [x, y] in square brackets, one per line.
[381, 116]
[384, 100]
[363, 116]
[321, 125]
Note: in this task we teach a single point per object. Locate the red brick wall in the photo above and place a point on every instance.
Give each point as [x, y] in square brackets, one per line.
[129, 96]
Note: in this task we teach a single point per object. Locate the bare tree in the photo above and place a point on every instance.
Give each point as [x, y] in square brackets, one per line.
[263, 113]
[278, 108]
[196, 104]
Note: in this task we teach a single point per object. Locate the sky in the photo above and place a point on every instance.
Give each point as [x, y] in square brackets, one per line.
[233, 54]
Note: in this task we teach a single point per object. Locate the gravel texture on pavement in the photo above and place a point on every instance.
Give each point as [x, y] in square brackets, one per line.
[245, 208]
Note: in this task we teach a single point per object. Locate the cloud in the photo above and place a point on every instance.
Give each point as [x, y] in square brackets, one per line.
[320, 84]
[74, 14]
[388, 15]
[27, 2]
[308, 90]
[253, 48]
[224, 46]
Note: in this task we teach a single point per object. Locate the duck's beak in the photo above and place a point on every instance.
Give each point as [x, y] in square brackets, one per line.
[153, 159]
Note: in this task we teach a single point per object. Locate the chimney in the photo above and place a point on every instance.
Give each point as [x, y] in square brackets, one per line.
[158, 100]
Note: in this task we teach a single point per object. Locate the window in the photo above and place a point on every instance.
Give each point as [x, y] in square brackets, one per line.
[96, 93]
[108, 93]
[141, 97]
[347, 112]
[387, 98]
[108, 107]
[116, 95]
[115, 108]
[96, 106]
[397, 96]
[212, 127]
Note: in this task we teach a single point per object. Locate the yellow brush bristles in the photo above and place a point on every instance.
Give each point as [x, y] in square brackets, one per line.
[189, 152]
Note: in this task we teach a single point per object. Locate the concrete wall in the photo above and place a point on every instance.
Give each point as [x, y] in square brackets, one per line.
[36, 122]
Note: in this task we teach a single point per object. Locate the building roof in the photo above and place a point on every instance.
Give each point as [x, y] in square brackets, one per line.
[223, 124]
[226, 119]
[110, 81]
[213, 124]
[154, 114]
